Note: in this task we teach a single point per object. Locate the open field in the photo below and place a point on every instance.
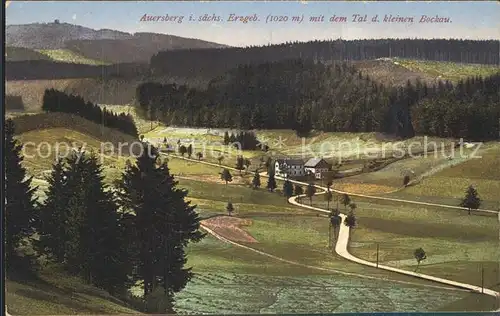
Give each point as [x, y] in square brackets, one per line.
[276, 286]
[302, 239]
[42, 121]
[56, 293]
[449, 237]
[434, 178]
[483, 173]
[68, 56]
[240, 293]
[385, 71]
[447, 70]
[42, 147]
[22, 53]
[240, 281]
[107, 91]
[303, 246]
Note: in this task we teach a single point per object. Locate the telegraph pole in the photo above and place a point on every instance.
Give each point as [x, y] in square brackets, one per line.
[498, 250]
[102, 120]
[329, 234]
[151, 116]
[377, 253]
[482, 279]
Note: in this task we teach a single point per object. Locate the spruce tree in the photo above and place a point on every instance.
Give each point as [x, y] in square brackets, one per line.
[74, 249]
[106, 260]
[287, 188]
[163, 222]
[271, 182]
[298, 190]
[226, 176]
[53, 214]
[240, 163]
[471, 200]
[20, 209]
[256, 180]
[229, 208]
[310, 191]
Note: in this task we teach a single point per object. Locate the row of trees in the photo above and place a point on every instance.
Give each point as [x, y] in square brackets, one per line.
[209, 63]
[57, 101]
[247, 140]
[303, 95]
[113, 237]
[290, 190]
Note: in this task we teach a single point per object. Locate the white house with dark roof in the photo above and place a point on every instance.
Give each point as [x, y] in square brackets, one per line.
[317, 166]
[289, 168]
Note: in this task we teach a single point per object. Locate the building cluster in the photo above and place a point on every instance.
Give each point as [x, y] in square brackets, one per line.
[294, 168]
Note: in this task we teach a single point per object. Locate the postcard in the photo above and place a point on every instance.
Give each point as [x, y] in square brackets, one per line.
[234, 157]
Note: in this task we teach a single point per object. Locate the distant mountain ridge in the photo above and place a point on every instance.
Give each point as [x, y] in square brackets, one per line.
[105, 44]
[55, 35]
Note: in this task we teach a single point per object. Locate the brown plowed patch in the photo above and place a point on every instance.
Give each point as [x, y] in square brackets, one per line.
[230, 228]
[364, 188]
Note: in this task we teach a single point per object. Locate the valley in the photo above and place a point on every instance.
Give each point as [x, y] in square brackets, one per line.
[271, 244]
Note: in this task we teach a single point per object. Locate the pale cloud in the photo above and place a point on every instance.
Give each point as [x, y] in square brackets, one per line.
[74, 17]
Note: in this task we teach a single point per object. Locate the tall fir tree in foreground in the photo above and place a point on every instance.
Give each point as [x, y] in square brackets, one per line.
[106, 260]
[54, 214]
[20, 211]
[80, 225]
[163, 222]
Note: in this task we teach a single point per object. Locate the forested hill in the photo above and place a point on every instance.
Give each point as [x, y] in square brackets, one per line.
[304, 95]
[209, 63]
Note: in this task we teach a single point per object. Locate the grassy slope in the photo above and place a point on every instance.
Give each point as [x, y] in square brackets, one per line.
[483, 173]
[56, 293]
[301, 238]
[40, 121]
[212, 257]
[60, 55]
[456, 243]
[21, 53]
[448, 70]
[68, 56]
[109, 91]
[39, 158]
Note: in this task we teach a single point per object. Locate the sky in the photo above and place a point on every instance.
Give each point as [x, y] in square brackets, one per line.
[468, 20]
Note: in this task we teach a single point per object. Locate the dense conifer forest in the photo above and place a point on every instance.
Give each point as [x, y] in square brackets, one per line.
[212, 62]
[304, 95]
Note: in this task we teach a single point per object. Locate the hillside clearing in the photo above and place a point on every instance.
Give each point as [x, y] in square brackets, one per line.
[448, 70]
[483, 173]
[41, 148]
[56, 293]
[68, 56]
